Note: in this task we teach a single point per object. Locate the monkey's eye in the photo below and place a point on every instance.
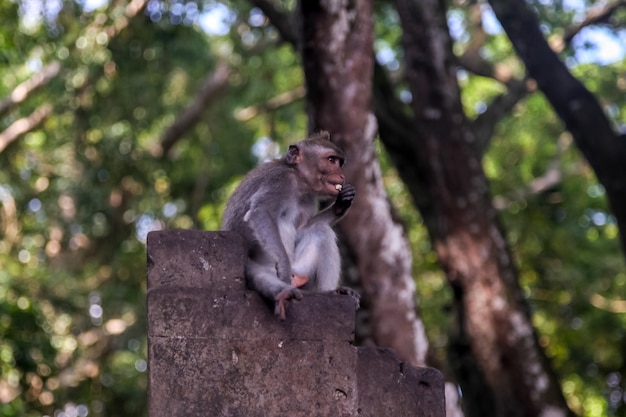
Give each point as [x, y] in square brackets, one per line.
[334, 159]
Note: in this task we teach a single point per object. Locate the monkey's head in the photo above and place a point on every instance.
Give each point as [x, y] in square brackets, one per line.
[319, 161]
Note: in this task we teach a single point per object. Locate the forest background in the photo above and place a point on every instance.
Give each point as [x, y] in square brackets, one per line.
[485, 238]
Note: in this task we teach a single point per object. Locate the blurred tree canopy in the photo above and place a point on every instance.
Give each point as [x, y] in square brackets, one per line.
[118, 118]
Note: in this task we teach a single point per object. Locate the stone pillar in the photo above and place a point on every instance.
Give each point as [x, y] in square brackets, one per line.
[216, 349]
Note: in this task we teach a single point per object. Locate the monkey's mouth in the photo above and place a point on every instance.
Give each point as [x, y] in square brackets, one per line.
[338, 187]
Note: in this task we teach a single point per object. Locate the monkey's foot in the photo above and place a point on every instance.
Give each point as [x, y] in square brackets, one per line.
[282, 299]
[299, 280]
[349, 291]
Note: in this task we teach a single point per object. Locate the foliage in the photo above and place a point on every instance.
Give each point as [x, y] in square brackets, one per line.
[79, 193]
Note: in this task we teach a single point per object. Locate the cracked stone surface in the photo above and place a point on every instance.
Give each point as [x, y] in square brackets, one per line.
[215, 348]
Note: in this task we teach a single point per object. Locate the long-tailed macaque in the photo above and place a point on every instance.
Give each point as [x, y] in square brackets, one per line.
[276, 208]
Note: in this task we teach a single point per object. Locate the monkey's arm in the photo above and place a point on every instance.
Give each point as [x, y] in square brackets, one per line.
[270, 218]
[266, 231]
[333, 213]
[276, 283]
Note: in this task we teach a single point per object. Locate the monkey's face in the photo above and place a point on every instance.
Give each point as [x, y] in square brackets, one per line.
[319, 162]
[331, 176]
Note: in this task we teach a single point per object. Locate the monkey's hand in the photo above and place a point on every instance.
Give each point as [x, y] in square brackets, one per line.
[344, 200]
[282, 299]
[349, 291]
[283, 269]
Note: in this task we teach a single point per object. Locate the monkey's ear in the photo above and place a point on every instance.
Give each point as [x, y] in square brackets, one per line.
[293, 156]
[322, 134]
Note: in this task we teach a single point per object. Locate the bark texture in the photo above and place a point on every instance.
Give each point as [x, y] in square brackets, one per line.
[576, 106]
[494, 350]
[337, 51]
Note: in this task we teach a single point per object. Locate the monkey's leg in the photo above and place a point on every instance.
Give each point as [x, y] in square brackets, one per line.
[317, 257]
[263, 279]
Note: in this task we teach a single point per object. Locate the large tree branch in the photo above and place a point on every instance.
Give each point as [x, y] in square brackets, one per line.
[191, 115]
[484, 124]
[338, 56]
[24, 125]
[577, 107]
[493, 347]
[328, 81]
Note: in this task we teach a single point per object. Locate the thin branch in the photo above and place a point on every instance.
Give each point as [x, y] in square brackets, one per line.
[191, 115]
[475, 63]
[603, 303]
[24, 125]
[24, 89]
[484, 125]
[551, 178]
[596, 15]
[279, 19]
[8, 217]
[273, 103]
[471, 58]
[132, 9]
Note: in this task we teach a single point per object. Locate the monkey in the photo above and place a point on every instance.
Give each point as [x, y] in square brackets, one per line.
[285, 210]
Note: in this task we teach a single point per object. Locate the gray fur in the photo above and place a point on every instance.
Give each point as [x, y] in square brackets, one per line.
[276, 210]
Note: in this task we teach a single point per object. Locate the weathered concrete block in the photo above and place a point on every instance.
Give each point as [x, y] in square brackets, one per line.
[202, 312]
[216, 348]
[191, 258]
[249, 377]
[388, 387]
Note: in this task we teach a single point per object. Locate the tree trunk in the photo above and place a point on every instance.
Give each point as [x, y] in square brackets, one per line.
[494, 350]
[576, 106]
[337, 51]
